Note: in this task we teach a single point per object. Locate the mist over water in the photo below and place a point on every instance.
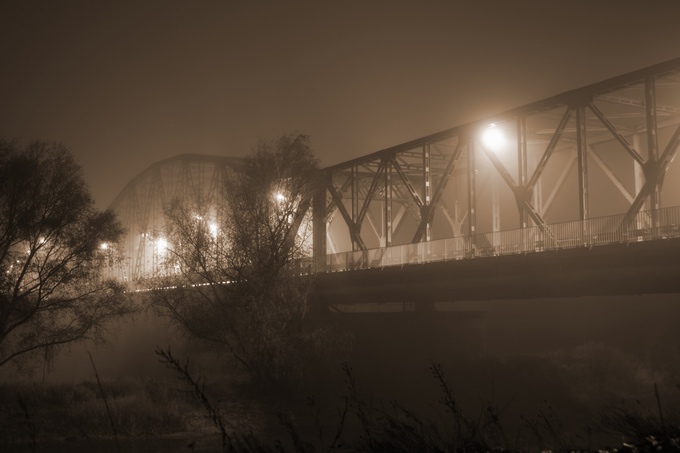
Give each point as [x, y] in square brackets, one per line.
[129, 353]
[575, 357]
[641, 328]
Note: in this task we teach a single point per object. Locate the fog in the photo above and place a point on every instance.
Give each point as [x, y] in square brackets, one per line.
[390, 346]
[126, 86]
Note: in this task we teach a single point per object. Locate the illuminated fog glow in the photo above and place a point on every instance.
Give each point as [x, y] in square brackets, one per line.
[493, 138]
[213, 229]
[161, 245]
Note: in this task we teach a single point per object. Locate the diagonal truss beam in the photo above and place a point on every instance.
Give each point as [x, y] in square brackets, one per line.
[611, 175]
[654, 173]
[617, 135]
[407, 182]
[369, 195]
[332, 205]
[520, 192]
[427, 212]
[353, 233]
[439, 190]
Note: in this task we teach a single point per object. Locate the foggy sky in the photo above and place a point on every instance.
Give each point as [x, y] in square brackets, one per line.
[125, 84]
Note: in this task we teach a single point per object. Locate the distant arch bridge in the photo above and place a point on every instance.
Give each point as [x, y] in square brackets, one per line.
[186, 177]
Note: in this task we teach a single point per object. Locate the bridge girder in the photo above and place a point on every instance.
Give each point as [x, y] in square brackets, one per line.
[619, 124]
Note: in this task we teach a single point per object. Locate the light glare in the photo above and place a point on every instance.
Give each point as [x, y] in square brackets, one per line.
[213, 229]
[161, 245]
[493, 138]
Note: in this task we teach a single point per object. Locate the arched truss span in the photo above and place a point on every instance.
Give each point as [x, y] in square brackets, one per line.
[186, 177]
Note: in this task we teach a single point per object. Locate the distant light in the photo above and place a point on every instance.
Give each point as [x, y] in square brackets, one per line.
[161, 245]
[280, 197]
[104, 246]
[213, 229]
[493, 138]
[41, 240]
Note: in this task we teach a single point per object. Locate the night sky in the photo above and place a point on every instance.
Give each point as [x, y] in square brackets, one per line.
[124, 84]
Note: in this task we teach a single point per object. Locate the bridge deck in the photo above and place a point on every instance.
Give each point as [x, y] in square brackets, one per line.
[646, 267]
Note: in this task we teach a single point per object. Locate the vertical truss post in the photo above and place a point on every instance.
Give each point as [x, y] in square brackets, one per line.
[388, 203]
[354, 175]
[319, 224]
[425, 209]
[472, 194]
[142, 219]
[638, 169]
[155, 207]
[582, 150]
[522, 165]
[495, 211]
[652, 148]
[639, 181]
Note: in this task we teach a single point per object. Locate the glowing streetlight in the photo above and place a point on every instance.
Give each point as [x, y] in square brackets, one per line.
[161, 245]
[213, 229]
[493, 138]
[280, 197]
[104, 246]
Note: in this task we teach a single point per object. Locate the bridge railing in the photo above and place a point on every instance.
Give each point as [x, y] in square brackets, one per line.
[645, 226]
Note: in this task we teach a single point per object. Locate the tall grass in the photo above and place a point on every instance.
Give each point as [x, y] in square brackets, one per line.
[393, 427]
[144, 408]
[138, 408]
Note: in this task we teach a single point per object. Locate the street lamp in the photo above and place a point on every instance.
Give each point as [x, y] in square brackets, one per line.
[493, 138]
[161, 245]
[212, 226]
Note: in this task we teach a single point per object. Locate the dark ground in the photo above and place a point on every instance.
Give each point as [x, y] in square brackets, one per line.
[550, 368]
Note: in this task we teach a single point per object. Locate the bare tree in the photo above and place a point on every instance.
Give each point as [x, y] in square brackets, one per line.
[53, 247]
[238, 270]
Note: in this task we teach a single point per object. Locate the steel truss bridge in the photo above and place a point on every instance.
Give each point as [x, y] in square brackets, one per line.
[583, 170]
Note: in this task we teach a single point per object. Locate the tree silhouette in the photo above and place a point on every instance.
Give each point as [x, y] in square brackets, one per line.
[54, 245]
[237, 268]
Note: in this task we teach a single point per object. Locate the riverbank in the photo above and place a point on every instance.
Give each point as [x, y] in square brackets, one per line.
[552, 403]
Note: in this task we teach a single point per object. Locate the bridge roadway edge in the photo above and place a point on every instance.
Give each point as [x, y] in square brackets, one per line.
[650, 267]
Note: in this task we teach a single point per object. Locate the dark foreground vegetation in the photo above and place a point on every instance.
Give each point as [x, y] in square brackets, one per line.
[193, 414]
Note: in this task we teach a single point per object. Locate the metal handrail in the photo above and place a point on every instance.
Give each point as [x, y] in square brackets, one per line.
[573, 234]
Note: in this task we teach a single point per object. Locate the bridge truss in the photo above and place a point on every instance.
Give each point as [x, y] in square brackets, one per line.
[189, 178]
[601, 150]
